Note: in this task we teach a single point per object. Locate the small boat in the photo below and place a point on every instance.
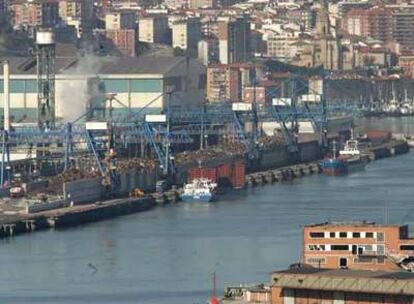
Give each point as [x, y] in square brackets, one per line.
[199, 190]
[392, 107]
[410, 140]
[350, 159]
[350, 148]
[406, 106]
[332, 165]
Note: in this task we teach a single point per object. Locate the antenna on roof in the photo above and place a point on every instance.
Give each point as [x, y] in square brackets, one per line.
[386, 213]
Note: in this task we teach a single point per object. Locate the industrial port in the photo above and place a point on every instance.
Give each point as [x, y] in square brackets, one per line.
[56, 173]
[184, 151]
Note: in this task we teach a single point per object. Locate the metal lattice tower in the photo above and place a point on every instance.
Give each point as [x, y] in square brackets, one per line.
[45, 53]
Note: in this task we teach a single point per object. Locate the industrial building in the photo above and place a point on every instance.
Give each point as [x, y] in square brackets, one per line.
[310, 285]
[358, 245]
[135, 81]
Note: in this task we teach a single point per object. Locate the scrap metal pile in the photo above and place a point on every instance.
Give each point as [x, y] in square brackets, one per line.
[56, 182]
[210, 153]
[124, 165]
[271, 141]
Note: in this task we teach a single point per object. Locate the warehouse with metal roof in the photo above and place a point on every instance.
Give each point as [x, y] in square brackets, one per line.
[341, 286]
[136, 81]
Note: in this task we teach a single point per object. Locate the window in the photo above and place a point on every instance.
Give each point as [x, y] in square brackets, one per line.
[332, 235]
[380, 260]
[407, 247]
[356, 235]
[369, 235]
[342, 234]
[361, 260]
[339, 247]
[315, 260]
[316, 247]
[315, 235]
[380, 249]
[380, 236]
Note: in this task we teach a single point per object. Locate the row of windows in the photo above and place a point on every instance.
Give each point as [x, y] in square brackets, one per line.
[110, 85]
[369, 260]
[343, 234]
[355, 248]
[358, 260]
[315, 260]
[407, 247]
[21, 86]
[132, 85]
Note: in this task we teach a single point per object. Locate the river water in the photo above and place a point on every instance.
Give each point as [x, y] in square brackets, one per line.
[167, 255]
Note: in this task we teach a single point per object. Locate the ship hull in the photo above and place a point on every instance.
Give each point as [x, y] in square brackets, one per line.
[356, 164]
[197, 198]
[333, 167]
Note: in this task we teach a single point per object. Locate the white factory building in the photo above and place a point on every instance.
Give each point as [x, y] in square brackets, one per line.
[136, 81]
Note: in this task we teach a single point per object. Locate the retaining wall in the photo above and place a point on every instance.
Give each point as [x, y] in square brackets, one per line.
[83, 191]
[143, 179]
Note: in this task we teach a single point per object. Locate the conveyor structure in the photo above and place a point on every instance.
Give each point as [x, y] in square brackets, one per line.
[160, 133]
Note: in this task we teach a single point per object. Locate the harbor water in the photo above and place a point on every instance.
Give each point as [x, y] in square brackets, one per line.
[167, 255]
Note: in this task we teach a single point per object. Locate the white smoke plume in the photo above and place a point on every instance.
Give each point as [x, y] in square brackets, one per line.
[74, 94]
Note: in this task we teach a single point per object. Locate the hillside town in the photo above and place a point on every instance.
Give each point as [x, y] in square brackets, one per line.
[337, 35]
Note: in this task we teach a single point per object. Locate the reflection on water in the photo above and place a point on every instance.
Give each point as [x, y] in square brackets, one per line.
[400, 125]
[168, 254]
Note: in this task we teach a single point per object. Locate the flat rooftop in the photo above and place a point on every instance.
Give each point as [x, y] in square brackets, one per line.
[363, 281]
[350, 223]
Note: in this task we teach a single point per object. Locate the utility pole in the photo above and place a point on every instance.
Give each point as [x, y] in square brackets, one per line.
[254, 112]
[167, 138]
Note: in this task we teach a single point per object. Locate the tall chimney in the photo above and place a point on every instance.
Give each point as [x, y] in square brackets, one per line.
[6, 95]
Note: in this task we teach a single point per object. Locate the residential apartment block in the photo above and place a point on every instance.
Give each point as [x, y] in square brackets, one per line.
[186, 34]
[234, 40]
[225, 82]
[153, 29]
[121, 20]
[30, 14]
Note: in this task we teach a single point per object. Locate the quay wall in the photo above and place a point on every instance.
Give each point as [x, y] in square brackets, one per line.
[269, 158]
[143, 179]
[102, 212]
[91, 190]
[83, 191]
[72, 216]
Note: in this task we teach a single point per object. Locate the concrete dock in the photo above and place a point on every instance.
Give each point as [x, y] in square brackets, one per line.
[13, 221]
[287, 173]
[16, 223]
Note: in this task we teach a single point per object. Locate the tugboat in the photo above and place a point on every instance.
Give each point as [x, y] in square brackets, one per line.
[199, 190]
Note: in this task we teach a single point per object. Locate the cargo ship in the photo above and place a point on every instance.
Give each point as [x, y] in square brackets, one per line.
[349, 159]
[199, 190]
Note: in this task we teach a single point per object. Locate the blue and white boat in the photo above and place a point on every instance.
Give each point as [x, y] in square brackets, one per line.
[199, 190]
[349, 159]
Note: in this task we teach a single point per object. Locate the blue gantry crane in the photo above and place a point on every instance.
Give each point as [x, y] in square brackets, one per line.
[160, 132]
